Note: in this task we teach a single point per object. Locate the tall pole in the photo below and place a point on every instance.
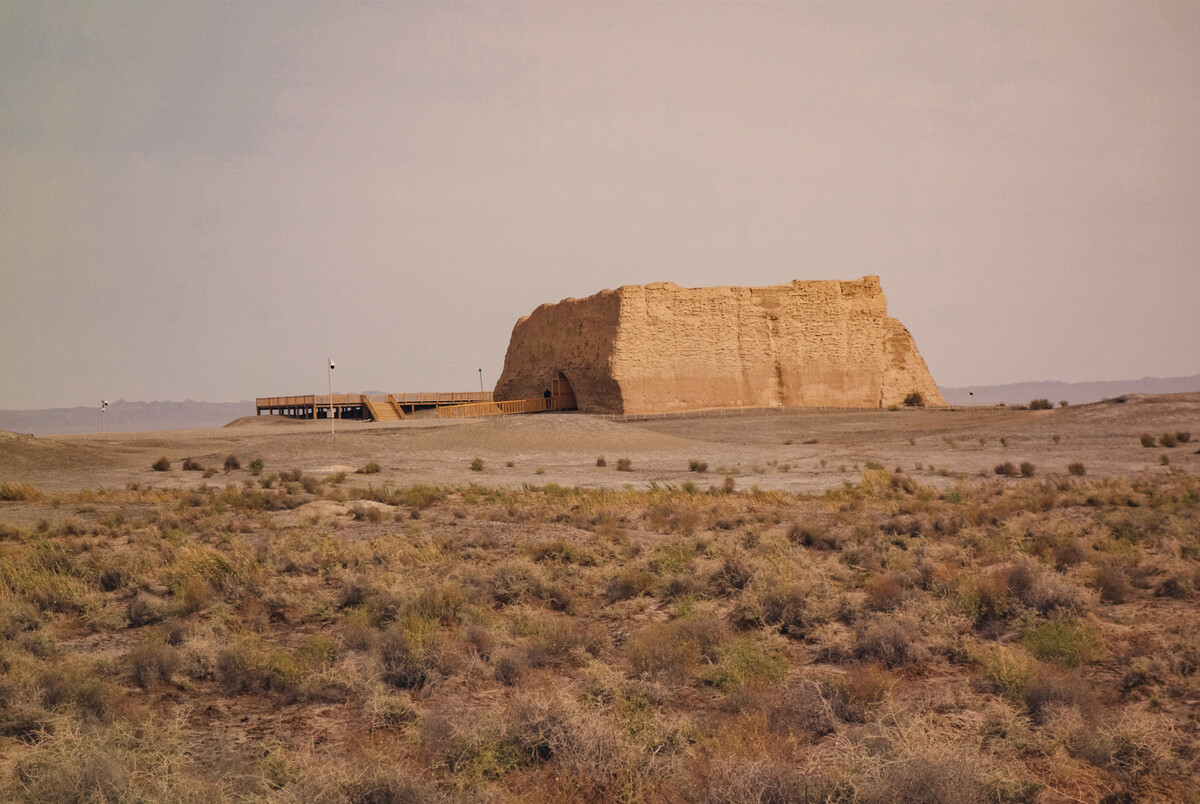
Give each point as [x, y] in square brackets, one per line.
[330, 365]
[103, 415]
[481, 380]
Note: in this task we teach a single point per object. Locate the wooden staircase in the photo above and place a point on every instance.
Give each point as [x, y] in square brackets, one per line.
[383, 410]
[395, 406]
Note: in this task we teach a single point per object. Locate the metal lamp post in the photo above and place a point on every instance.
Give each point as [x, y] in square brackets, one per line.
[481, 380]
[331, 367]
[104, 415]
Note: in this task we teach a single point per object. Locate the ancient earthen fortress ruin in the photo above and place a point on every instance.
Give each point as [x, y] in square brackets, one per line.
[661, 348]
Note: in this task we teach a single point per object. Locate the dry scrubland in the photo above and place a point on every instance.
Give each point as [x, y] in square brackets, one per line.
[897, 633]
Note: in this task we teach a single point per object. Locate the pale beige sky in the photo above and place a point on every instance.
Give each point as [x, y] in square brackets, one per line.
[205, 200]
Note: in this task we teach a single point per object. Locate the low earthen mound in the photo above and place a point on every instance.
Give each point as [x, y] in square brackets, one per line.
[263, 421]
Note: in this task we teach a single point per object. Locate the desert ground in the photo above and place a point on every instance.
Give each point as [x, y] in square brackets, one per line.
[958, 605]
[792, 450]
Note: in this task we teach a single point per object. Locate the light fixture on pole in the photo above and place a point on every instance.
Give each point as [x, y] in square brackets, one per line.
[331, 368]
[103, 415]
[481, 380]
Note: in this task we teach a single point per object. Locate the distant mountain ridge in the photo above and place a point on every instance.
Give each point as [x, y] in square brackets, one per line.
[125, 417]
[1077, 393]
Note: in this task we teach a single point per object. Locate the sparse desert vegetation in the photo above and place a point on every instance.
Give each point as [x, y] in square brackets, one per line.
[620, 645]
[316, 633]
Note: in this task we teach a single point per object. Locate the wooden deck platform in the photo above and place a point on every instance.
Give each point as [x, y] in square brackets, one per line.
[370, 407]
[395, 407]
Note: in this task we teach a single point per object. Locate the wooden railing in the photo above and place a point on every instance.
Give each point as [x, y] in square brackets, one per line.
[395, 405]
[323, 400]
[283, 401]
[420, 398]
[493, 408]
[443, 397]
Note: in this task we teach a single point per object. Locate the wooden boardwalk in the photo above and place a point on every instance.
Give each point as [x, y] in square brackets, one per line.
[395, 407]
[372, 407]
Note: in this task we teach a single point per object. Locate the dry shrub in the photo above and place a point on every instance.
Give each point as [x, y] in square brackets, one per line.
[153, 662]
[884, 592]
[904, 525]
[1006, 671]
[595, 757]
[477, 640]
[75, 685]
[624, 465]
[369, 468]
[143, 610]
[759, 778]
[192, 465]
[813, 535]
[746, 666]
[357, 632]
[18, 492]
[419, 496]
[1006, 469]
[858, 693]
[1144, 671]
[163, 464]
[697, 466]
[1077, 469]
[516, 580]
[629, 583]
[994, 596]
[673, 650]
[889, 640]
[232, 463]
[1049, 593]
[1177, 585]
[733, 574]
[1111, 580]
[374, 514]
[1132, 747]
[924, 777]
[1065, 641]
[412, 655]
[1068, 554]
[129, 761]
[1048, 688]
[509, 665]
[772, 602]
[601, 462]
[802, 708]
[548, 636]
[660, 650]
[384, 785]
[196, 594]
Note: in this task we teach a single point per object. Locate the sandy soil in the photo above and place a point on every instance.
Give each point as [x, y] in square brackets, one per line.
[793, 450]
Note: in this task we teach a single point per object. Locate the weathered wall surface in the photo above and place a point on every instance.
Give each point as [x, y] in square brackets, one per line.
[574, 337]
[660, 347]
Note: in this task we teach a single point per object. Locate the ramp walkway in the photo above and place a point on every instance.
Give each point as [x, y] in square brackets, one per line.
[397, 407]
[369, 407]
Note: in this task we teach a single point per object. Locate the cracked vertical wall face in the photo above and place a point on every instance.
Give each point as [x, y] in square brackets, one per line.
[661, 348]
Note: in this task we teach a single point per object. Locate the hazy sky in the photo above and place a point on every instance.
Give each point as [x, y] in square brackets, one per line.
[205, 200]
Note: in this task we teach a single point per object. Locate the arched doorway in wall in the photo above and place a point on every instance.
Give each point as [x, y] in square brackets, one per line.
[561, 395]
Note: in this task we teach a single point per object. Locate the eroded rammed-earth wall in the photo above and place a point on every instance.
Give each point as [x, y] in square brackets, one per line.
[660, 348]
